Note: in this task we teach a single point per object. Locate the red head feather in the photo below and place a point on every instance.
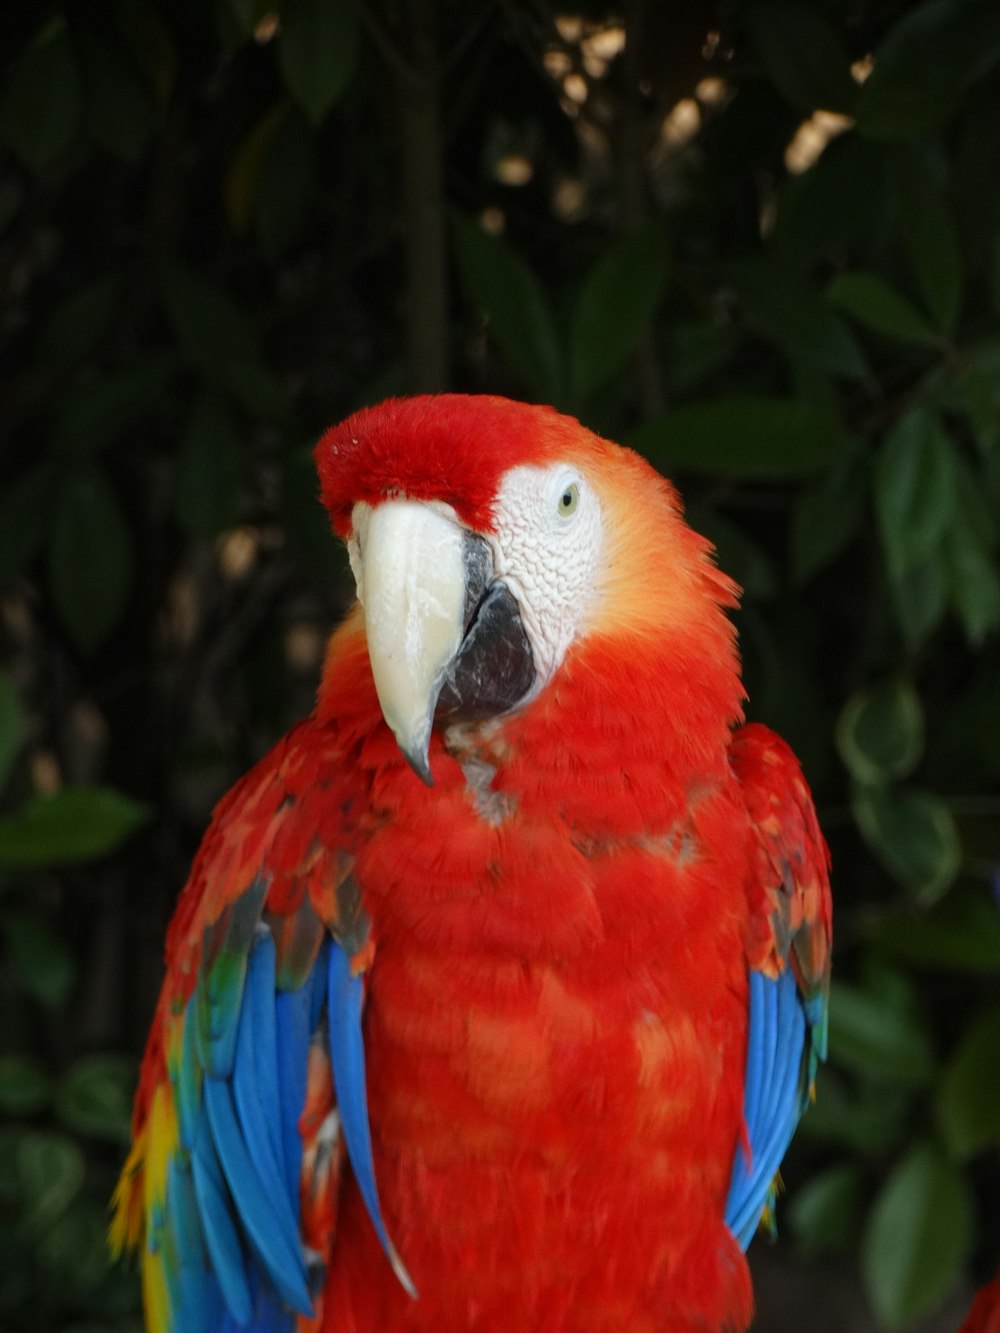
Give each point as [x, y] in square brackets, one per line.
[450, 447]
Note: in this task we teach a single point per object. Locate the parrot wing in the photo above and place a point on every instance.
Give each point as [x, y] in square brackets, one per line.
[253, 1083]
[789, 967]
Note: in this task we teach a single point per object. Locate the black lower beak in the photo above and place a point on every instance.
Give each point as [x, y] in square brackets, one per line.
[493, 669]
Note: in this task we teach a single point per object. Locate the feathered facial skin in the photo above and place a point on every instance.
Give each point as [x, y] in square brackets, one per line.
[504, 973]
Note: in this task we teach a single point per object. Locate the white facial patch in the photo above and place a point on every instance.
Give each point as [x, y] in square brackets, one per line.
[547, 549]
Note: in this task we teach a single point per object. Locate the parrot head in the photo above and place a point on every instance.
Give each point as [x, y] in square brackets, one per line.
[489, 539]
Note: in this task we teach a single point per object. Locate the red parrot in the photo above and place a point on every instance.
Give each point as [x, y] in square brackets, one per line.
[498, 986]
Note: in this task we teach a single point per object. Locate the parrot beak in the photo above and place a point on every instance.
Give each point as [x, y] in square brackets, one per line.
[445, 641]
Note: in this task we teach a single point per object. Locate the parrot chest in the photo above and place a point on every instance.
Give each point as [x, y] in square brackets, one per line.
[555, 1029]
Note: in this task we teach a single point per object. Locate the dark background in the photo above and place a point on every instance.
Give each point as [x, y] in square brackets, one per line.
[760, 240]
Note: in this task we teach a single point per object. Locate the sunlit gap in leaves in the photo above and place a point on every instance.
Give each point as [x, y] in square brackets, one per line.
[812, 137]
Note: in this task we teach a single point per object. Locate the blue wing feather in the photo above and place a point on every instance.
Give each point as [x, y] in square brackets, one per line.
[775, 1094]
[347, 1056]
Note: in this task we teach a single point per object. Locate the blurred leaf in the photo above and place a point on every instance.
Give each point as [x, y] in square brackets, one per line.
[40, 109]
[881, 1041]
[968, 1100]
[917, 1237]
[241, 186]
[823, 1213]
[928, 230]
[318, 52]
[74, 1254]
[977, 391]
[791, 312]
[872, 302]
[99, 413]
[515, 304]
[41, 960]
[50, 1171]
[745, 435]
[962, 933]
[90, 558]
[919, 599]
[915, 488]
[215, 336]
[78, 323]
[94, 1097]
[868, 1119]
[925, 61]
[151, 45]
[880, 732]
[24, 1086]
[289, 176]
[838, 202]
[803, 54]
[72, 824]
[209, 470]
[695, 351]
[119, 107]
[914, 836]
[615, 305]
[25, 516]
[826, 517]
[12, 725]
[973, 581]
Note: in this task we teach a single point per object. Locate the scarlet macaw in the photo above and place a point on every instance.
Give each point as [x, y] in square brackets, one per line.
[507, 968]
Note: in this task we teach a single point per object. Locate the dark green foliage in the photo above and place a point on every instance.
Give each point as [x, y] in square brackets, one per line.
[209, 245]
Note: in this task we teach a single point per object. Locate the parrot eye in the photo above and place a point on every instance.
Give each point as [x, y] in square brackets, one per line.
[569, 500]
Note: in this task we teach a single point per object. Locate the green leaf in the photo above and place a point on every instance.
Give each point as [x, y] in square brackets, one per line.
[43, 964]
[919, 599]
[516, 307]
[318, 52]
[968, 1100]
[90, 558]
[827, 515]
[119, 106]
[823, 1213]
[74, 1255]
[150, 44]
[872, 302]
[915, 489]
[696, 350]
[973, 581]
[791, 312]
[917, 1237]
[928, 230]
[94, 1097]
[97, 414]
[923, 65]
[78, 323]
[12, 725]
[880, 1040]
[744, 435]
[880, 732]
[976, 392]
[803, 54]
[72, 824]
[40, 110]
[24, 1086]
[868, 1118]
[913, 834]
[960, 934]
[209, 470]
[615, 306]
[50, 1171]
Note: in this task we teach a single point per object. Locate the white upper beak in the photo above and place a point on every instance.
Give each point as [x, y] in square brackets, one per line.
[411, 583]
